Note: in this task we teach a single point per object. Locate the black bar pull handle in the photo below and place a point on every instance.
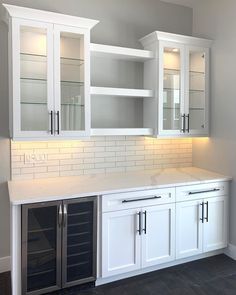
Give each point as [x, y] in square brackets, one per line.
[206, 191]
[202, 219]
[183, 123]
[188, 126]
[141, 199]
[145, 222]
[139, 223]
[64, 215]
[207, 208]
[60, 215]
[58, 122]
[51, 122]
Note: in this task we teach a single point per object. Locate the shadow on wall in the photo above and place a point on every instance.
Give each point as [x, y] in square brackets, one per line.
[4, 146]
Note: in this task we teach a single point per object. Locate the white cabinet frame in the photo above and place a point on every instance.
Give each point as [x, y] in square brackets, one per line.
[203, 131]
[162, 45]
[14, 75]
[57, 77]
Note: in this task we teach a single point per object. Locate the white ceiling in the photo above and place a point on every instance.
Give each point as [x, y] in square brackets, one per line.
[188, 3]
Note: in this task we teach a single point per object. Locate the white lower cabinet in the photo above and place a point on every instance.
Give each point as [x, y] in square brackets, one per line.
[158, 240]
[148, 228]
[120, 242]
[216, 226]
[137, 238]
[188, 229]
[201, 226]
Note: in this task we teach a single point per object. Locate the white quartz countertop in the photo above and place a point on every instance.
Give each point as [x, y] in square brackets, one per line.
[51, 189]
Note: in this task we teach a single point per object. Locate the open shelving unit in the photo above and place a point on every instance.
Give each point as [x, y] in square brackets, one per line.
[121, 92]
[120, 108]
[118, 52]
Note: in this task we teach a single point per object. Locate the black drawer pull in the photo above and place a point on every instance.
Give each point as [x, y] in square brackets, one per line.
[207, 191]
[141, 199]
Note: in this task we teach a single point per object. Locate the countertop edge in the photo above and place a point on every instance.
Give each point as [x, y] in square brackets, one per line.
[112, 191]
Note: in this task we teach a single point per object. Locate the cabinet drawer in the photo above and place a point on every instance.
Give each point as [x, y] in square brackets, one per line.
[199, 191]
[114, 202]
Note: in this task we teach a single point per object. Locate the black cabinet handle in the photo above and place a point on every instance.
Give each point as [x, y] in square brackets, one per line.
[139, 223]
[183, 123]
[206, 191]
[51, 122]
[202, 219]
[207, 217]
[188, 126]
[64, 215]
[141, 199]
[60, 215]
[145, 222]
[58, 122]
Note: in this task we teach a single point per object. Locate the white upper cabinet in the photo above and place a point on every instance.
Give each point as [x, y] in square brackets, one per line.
[179, 77]
[49, 65]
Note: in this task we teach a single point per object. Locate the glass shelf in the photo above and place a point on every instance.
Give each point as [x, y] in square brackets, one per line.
[173, 70]
[196, 90]
[33, 79]
[176, 70]
[40, 57]
[44, 103]
[171, 89]
[79, 83]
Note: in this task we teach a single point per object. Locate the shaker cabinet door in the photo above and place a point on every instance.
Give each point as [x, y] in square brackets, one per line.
[189, 228]
[158, 237]
[215, 224]
[121, 242]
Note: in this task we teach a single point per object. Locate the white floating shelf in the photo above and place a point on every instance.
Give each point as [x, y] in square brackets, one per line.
[121, 92]
[118, 52]
[121, 131]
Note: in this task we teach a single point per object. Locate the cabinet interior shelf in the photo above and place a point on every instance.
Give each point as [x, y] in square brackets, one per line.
[191, 109]
[190, 90]
[43, 58]
[117, 52]
[78, 83]
[121, 131]
[44, 103]
[121, 92]
[177, 71]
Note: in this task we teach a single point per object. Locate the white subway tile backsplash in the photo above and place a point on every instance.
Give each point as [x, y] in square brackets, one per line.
[99, 155]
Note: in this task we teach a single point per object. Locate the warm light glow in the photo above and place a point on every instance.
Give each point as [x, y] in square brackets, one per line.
[175, 50]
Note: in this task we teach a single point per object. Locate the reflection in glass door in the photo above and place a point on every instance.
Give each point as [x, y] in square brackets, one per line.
[72, 81]
[197, 93]
[34, 78]
[41, 248]
[172, 88]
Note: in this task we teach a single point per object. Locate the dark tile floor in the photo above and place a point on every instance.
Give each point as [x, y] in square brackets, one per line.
[210, 276]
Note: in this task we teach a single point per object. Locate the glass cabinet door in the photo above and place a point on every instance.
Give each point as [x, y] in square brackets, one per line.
[32, 63]
[41, 248]
[171, 88]
[79, 241]
[72, 81]
[196, 102]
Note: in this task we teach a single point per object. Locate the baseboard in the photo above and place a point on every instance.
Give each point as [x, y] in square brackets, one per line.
[5, 264]
[102, 281]
[231, 251]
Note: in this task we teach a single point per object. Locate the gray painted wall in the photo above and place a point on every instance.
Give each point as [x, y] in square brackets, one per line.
[122, 23]
[216, 20]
